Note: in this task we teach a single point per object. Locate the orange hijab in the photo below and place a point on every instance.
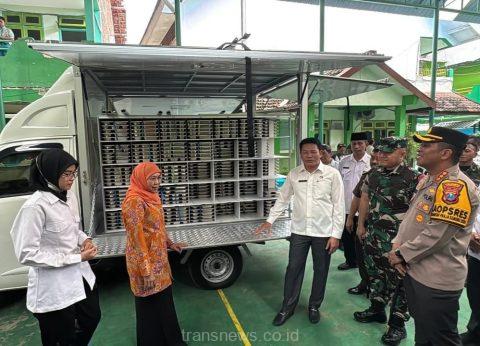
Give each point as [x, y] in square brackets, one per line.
[138, 183]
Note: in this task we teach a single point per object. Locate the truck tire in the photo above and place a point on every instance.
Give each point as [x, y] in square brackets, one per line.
[215, 268]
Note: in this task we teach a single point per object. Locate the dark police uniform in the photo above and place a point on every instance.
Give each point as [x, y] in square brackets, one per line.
[433, 237]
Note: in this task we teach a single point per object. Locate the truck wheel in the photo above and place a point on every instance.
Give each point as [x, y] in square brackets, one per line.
[215, 268]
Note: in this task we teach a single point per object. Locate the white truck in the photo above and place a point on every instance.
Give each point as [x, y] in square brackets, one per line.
[190, 110]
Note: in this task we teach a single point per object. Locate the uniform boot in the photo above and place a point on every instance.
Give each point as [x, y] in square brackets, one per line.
[396, 331]
[375, 313]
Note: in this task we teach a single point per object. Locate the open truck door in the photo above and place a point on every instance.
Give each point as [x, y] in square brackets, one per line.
[45, 124]
[223, 164]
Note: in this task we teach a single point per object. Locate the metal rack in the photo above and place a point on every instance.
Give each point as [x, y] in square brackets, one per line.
[207, 174]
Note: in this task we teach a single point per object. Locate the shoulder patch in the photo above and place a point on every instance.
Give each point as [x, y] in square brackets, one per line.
[421, 182]
[452, 203]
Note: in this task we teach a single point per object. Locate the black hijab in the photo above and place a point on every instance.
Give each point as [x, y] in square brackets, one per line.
[47, 168]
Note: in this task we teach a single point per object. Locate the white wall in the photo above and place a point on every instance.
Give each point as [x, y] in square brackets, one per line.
[336, 136]
[50, 27]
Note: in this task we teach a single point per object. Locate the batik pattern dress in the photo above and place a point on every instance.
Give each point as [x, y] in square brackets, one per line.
[146, 249]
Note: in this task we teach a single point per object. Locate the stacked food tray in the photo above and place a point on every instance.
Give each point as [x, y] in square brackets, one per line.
[208, 175]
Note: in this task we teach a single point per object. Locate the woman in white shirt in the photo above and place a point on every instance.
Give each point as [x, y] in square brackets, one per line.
[46, 234]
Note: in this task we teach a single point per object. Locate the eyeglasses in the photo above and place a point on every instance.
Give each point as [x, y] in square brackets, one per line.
[70, 175]
[153, 178]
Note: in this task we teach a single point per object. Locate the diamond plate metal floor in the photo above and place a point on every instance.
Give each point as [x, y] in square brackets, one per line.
[113, 244]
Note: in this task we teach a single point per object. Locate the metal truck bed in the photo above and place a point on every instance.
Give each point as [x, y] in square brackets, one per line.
[113, 244]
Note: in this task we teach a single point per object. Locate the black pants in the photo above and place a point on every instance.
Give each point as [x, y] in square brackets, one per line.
[348, 240]
[435, 313]
[353, 251]
[360, 256]
[473, 293]
[157, 322]
[299, 247]
[73, 325]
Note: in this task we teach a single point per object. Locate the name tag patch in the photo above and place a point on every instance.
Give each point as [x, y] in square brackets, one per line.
[452, 204]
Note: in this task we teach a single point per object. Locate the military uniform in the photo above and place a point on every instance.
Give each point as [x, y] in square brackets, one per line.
[389, 193]
[473, 172]
[359, 250]
[433, 239]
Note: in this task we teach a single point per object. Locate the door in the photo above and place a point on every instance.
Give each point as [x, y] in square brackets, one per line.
[15, 161]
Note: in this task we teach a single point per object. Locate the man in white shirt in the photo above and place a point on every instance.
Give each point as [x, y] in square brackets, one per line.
[341, 152]
[5, 35]
[370, 146]
[351, 168]
[472, 336]
[327, 158]
[317, 221]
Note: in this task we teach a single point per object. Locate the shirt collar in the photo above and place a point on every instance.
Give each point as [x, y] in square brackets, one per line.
[451, 172]
[52, 199]
[365, 158]
[319, 168]
[395, 170]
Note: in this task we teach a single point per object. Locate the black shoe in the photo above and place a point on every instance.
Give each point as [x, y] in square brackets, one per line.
[370, 315]
[470, 339]
[282, 317]
[394, 335]
[357, 290]
[313, 315]
[346, 266]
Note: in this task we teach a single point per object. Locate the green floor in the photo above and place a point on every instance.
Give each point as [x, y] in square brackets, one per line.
[255, 299]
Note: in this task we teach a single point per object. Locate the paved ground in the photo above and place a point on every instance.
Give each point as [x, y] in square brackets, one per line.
[206, 319]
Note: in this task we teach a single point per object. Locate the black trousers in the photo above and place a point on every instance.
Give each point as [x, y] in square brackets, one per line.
[299, 248]
[73, 325]
[348, 240]
[435, 313]
[354, 253]
[473, 293]
[157, 322]
[360, 256]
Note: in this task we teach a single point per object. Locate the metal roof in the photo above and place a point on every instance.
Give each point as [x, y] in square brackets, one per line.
[458, 125]
[470, 12]
[326, 88]
[180, 71]
[132, 57]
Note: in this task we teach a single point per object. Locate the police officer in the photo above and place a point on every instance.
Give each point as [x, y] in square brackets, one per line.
[386, 194]
[470, 168]
[433, 238]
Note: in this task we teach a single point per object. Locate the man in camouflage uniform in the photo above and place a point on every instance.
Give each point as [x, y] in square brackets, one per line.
[386, 194]
[470, 168]
[362, 287]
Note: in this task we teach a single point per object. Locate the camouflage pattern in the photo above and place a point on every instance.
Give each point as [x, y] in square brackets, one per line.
[390, 144]
[473, 172]
[389, 193]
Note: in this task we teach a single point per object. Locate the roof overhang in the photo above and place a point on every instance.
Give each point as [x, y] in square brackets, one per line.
[133, 57]
[324, 88]
[159, 25]
[180, 71]
[465, 11]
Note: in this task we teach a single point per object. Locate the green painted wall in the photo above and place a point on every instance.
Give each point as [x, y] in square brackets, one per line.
[93, 21]
[474, 95]
[465, 78]
[24, 70]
